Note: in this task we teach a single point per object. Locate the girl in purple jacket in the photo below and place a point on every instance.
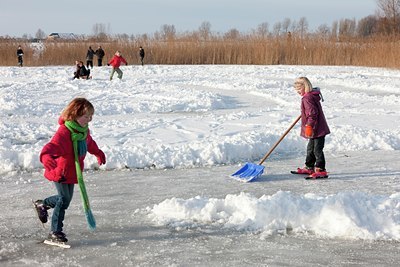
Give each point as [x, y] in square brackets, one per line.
[313, 127]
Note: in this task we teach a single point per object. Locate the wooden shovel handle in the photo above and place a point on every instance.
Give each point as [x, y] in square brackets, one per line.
[280, 139]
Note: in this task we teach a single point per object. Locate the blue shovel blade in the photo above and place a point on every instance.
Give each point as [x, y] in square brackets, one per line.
[248, 172]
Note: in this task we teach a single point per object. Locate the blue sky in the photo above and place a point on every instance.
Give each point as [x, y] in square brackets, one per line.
[147, 16]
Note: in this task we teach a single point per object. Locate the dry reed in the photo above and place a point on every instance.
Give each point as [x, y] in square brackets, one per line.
[380, 51]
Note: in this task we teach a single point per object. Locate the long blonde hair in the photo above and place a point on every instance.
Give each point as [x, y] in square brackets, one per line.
[304, 81]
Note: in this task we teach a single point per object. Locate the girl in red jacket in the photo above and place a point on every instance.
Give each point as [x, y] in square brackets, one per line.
[115, 62]
[58, 158]
[313, 127]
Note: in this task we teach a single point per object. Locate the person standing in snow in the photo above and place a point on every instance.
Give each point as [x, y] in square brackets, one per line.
[100, 54]
[115, 62]
[89, 57]
[20, 54]
[58, 158]
[313, 127]
[141, 54]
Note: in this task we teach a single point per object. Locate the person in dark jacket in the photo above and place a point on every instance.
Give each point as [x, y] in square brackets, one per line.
[100, 54]
[89, 57]
[313, 127]
[20, 54]
[81, 72]
[141, 54]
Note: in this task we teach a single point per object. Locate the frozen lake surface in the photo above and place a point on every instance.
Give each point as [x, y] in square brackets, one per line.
[126, 235]
[173, 135]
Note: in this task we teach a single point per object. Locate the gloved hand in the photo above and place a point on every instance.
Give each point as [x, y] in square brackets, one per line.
[308, 131]
[108, 64]
[48, 162]
[101, 158]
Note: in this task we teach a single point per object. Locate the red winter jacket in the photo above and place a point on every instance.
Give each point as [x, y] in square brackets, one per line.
[61, 149]
[116, 61]
[312, 114]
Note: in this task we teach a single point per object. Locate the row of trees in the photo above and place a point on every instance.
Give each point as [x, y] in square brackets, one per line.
[371, 41]
[386, 21]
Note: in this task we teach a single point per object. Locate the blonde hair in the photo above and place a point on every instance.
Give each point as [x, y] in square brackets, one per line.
[303, 81]
[77, 108]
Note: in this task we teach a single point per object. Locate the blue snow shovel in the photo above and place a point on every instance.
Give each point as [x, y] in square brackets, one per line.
[251, 171]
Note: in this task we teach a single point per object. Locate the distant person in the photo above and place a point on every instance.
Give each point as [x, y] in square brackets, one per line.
[100, 54]
[141, 54]
[20, 55]
[115, 62]
[313, 127]
[89, 57]
[81, 72]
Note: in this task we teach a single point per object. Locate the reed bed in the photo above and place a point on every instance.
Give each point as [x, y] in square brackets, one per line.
[379, 51]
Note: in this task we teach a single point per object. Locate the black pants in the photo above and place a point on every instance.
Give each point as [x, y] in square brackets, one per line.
[99, 62]
[315, 154]
[89, 63]
[20, 61]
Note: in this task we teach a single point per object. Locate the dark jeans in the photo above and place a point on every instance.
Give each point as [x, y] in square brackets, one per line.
[99, 62]
[20, 61]
[315, 155]
[59, 203]
[89, 63]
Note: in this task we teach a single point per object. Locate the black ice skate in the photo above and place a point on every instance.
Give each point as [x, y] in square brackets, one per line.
[41, 210]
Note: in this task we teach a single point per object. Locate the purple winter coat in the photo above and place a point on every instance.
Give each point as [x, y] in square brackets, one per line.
[312, 114]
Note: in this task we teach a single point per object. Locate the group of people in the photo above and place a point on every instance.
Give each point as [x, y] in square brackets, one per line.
[64, 155]
[90, 55]
[83, 72]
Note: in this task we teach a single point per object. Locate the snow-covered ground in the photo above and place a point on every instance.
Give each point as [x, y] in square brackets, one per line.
[173, 135]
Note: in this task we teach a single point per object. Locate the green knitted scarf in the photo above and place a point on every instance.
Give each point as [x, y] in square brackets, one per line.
[78, 136]
[77, 132]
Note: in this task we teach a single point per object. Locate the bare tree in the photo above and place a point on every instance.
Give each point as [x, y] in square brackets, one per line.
[262, 29]
[347, 27]
[323, 30]
[390, 11]
[123, 37]
[367, 26]
[100, 30]
[286, 24]
[334, 29]
[168, 32]
[232, 34]
[303, 26]
[205, 30]
[277, 28]
[40, 34]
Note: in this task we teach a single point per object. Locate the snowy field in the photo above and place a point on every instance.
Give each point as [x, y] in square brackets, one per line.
[173, 135]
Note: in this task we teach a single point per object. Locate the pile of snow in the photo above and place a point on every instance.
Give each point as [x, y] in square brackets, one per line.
[354, 215]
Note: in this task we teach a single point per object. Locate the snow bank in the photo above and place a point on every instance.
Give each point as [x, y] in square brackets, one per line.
[349, 215]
